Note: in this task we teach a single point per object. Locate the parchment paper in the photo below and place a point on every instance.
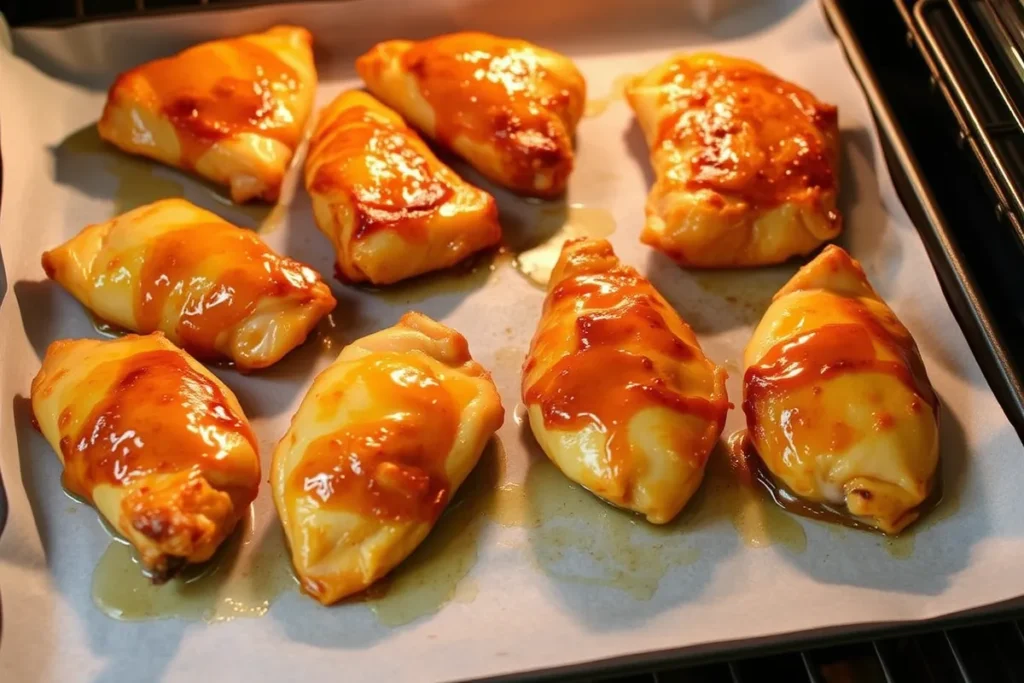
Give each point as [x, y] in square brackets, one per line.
[517, 608]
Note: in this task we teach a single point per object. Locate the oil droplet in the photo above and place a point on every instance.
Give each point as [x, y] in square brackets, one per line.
[471, 274]
[730, 491]
[239, 581]
[109, 330]
[467, 591]
[77, 498]
[137, 184]
[900, 547]
[576, 221]
[435, 573]
[576, 537]
[744, 293]
[512, 508]
[617, 91]
[330, 333]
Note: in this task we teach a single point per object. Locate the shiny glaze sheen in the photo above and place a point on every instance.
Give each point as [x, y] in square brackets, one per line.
[154, 441]
[760, 137]
[627, 358]
[509, 107]
[393, 179]
[389, 461]
[606, 382]
[392, 209]
[746, 163]
[159, 417]
[214, 289]
[172, 274]
[382, 441]
[837, 399]
[216, 90]
[831, 350]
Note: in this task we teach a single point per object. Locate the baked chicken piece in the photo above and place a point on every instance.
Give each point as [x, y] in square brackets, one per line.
[619, 394]
[214, 289]
[747, 164]
[506, 106]
[378, 447]
[839, 407]
[153, 440]
[390, 207]
[233, 111]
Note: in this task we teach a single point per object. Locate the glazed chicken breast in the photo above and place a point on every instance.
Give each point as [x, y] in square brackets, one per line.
[232, 111]
[378, 447]
[838, 403]
[747, 164]
[389, 206]
[506, 106]
[214, 289]
[153, 440]
[619, 394]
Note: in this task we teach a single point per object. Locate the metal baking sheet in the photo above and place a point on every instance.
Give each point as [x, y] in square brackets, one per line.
[525, 572]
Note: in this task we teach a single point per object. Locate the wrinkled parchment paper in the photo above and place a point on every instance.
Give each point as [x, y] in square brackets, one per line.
[534, 596]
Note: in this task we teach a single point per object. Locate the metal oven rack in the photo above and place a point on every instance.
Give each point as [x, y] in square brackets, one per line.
[976, 48]
[952, 164]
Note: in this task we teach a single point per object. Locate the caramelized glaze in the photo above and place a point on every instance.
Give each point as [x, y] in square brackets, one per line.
[837, 399]
[760, 137]
[389, 461]
[383, 166]
[173, 271]
[509, 107]
[391, 208]
[744, 458]
[486, 88]
[205, 104]
[830, 350]
[611, 376]
[382, 441]
[160, 416]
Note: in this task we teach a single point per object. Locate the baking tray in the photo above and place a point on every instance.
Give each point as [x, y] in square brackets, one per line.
[515, 609]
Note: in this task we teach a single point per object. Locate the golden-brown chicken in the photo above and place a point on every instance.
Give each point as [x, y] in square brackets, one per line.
[233, 111]
[153, 440]
[214, 289]
[390, 207]
[620, 395]
[838, 404]
[746, 163]
[508, 107]
[380, 444]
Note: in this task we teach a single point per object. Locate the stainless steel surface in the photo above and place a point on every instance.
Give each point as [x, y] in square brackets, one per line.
[978, 132]
[956, 6]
